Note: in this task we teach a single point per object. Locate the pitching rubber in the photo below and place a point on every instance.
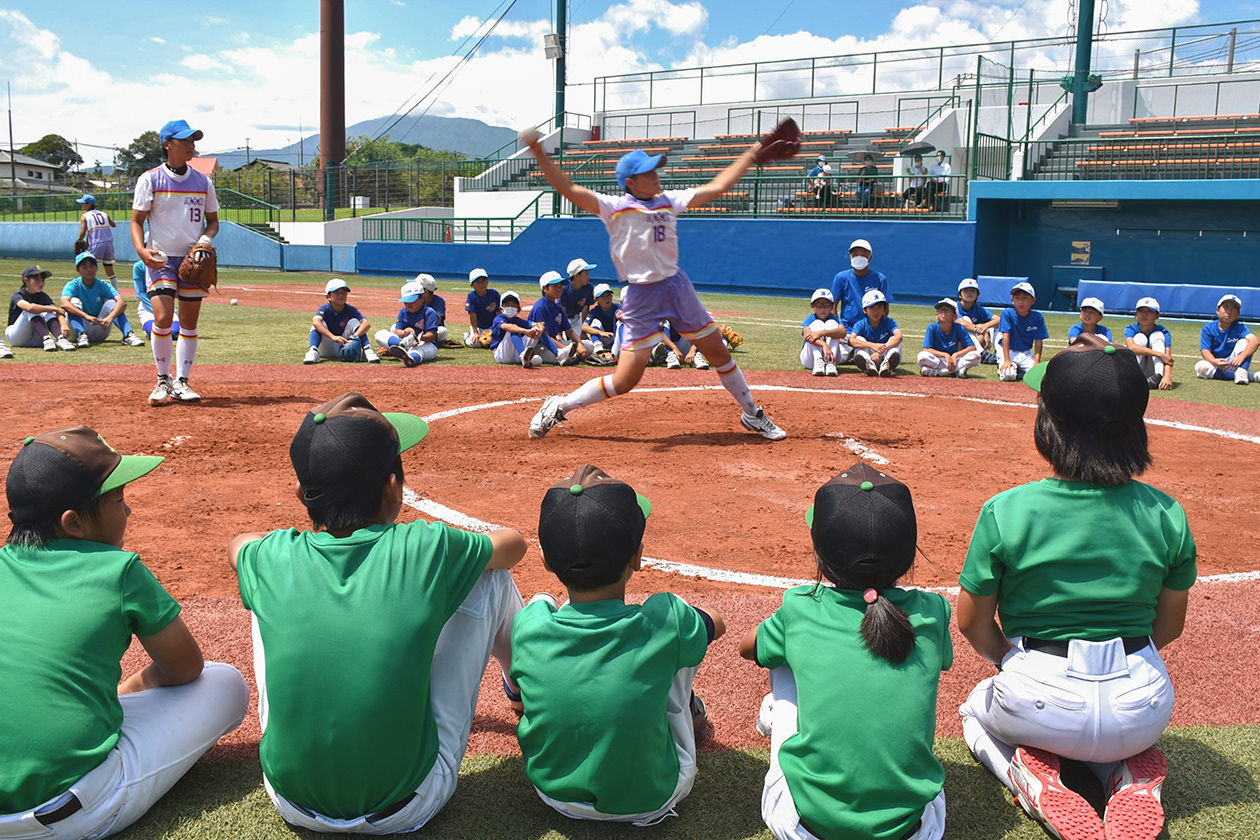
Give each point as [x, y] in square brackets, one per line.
[1134, 811]
[1064, 812]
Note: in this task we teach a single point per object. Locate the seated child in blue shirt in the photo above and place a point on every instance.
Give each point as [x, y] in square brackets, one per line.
[93, 306]
[482, 305]
[549, 312]
[1152, 344]
[1091, 318]
[610, 722]
[413, 340]
[876, 339]
[1020, 334]
[822, 336]
[1227, 345]
[979, 321]
[948, 348]
[514, 340]
[339, 330]
[601, 323]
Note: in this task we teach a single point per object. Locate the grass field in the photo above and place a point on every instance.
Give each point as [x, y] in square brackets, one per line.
[1214, 791]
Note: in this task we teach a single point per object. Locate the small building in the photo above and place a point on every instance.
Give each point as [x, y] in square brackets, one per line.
[28, 175]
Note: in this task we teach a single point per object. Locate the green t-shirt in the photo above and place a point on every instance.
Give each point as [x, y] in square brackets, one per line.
[861, 764]
[1073, 560]
[348, 627]
[595, 680]
[67, 615]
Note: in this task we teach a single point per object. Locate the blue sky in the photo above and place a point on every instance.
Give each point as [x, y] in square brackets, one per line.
[250, 70]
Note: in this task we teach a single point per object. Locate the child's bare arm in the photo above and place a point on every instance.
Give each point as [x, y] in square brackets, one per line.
[509, 548]
[176, 659]
[748, 644]
[234, 547]
[978, 623]
[1170, 615]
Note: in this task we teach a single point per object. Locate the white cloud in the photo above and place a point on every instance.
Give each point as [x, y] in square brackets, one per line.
[156, 40]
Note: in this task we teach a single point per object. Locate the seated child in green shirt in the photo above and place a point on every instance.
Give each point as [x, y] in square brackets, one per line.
[855, 664]
[85, 755]
[370, 635]
[610, 721]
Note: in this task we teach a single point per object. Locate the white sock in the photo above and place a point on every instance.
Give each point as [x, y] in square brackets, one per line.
[162, 352]
[588, 393]
[732, 379]
[185, 352]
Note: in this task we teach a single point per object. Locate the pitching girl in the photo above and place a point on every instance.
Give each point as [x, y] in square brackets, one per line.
[855, 665]
[1088, 572]
[643, 232]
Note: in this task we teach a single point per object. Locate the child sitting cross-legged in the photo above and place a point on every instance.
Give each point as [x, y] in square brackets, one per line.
[949, 349]
[610, 721]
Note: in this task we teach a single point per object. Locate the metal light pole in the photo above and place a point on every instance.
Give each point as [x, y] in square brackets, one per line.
[1084, 47]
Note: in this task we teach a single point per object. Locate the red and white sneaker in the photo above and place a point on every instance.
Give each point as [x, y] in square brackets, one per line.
[1134, 811]
[1040, 790]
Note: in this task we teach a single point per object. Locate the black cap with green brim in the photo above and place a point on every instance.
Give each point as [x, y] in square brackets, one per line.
[590, 518]
[1095, 386]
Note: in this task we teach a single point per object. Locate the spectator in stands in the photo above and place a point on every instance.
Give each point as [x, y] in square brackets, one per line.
[1152, 344]
[96, 228]
[848, 286]
[938, 187]
[819, 179]
[481, 305]
[1091, 321]
[868, 183]
[978, 321]
[915, 195]
[577, 295]
[1227, 345]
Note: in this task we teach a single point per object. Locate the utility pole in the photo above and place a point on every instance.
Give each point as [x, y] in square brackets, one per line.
[1084, 47]
[332, 98]
[12, 157]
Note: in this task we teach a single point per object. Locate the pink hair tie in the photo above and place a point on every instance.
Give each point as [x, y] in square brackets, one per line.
[869, 596]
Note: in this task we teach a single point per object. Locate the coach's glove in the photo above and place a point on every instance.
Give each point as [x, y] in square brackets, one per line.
[200, 266]
[783, 142]
[80, 245]
[733, 338]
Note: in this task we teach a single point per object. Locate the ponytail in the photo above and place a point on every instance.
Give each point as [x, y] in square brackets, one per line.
[886, 628]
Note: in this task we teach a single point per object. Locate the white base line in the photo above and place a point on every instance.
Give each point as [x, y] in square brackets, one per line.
[436, 510]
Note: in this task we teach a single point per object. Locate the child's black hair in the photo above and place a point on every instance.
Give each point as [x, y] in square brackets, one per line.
[886, 628]
[609, 570]
[1111, 457]
[357, 510]
[38, 534]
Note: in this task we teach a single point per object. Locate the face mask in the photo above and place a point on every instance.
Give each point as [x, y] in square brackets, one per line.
[859, 262]
[510, 311]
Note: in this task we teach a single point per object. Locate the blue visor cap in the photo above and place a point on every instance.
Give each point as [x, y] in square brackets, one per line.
[636, 163]
[179, 130]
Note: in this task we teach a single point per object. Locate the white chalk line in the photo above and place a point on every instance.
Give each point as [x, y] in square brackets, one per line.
[439, 511]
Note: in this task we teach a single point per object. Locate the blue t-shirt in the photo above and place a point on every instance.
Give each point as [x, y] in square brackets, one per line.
[1221, 342]
[551, 315]
[574, 299]
[422, 320]
[140, 282]
[1133, 329]
[848, 288]
[92, 297]
[978, 314]
[876, 334]
[485, 307]
[811, 318]
[336, 321]
[1078, 328]
[950, 342]
[601, 320]
[438, 305]
[497, 333]
[1023, 331]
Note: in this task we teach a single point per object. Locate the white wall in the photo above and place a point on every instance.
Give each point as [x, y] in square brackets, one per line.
[348, 231]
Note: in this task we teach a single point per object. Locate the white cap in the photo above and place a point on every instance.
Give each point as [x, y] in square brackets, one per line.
[946, 302]
[969, 283]
[826, 167]
[426, 282]
[1024, 287]
[621, 296]
[861, 243]
[1226, 297]
[825, 294]
[550, 278]
[509, 294]
[1148, 303]
[873, 297]
[822, 157]
[410, 292]
[1094, 304]
[577, 265]
[602, 289]
[337, 283]
[476, 274]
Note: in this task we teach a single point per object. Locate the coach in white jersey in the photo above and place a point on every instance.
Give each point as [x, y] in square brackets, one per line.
[97, 229]
[642, 229]
[180, 208]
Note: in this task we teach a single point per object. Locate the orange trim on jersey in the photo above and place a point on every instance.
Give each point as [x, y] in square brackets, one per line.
[668, 207]
[180, 192]
[645, 343]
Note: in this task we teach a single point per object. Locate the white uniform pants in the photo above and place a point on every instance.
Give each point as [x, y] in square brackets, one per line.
[1024, 362]
[164, 732]
[95, 333]
[329, 349]
[1206, 370]
[933, 365]
[479, 629]
[22, 334]
[778, 809]
[841, 351]
[678, 711]
[891, 358]
[1096, 705]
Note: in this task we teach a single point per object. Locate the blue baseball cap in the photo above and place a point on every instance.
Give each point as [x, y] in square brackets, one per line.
[178, 130]
[88, 198]
[86, 255]
[636, 163]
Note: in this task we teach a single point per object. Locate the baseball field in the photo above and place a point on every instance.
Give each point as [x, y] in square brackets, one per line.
[727, 530]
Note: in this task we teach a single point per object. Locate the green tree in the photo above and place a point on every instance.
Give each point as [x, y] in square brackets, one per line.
[144, 153]
[54, 149]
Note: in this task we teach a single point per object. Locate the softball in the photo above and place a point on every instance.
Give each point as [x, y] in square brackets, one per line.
[161, 255]
[528, 135]
[235, 301]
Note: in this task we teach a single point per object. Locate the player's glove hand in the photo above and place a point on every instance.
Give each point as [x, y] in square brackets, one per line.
[200, 266]
[733, 338]
[783, 142]
[484, 338]
[80, 245]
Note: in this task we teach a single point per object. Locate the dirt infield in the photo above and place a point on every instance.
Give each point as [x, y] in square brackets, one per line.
[723, 499]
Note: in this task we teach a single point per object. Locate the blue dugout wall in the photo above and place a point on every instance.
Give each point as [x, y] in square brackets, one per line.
[923, 260]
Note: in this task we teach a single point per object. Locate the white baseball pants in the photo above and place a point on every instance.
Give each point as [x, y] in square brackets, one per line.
[933, 365]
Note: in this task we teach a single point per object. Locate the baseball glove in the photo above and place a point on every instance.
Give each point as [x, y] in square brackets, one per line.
[733, 338]
[783, 142]
[484, 338]
[351, 351]
[200, 266]
[80, 245]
